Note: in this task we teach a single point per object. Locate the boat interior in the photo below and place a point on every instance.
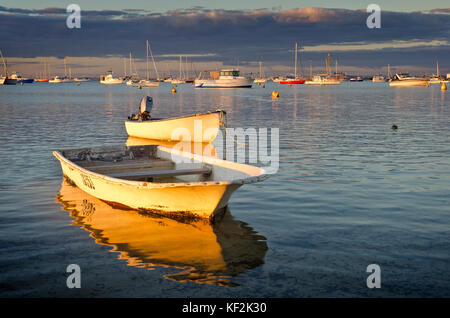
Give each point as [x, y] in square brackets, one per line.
[138, 163]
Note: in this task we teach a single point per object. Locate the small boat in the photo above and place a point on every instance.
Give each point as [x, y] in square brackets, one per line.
[437, 79]
[356, 79]
[56, 79]
[19, 79]
[323, 79]
[6, 80]
[260, 79]
[110, 79]
[404, 80]
[157, 179]
[295, 79]
[227, 78]
[379, 79]
[147, 83]
[198, 128]
[83, 79]
[178, 81]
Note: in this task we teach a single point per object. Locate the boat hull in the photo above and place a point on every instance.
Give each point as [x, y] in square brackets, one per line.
[224, 83]
[408, 83]
[10, 81]
[199, 128]
[293, 82]
[204, 199]
[25, 81]
[322, 83]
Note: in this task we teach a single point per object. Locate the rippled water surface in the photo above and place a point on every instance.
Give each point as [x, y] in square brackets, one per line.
[350, 192]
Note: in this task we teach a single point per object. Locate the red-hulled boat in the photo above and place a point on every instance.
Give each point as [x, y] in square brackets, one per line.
[293, 81]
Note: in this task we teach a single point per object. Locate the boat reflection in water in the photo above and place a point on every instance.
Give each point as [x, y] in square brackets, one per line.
[204, 252]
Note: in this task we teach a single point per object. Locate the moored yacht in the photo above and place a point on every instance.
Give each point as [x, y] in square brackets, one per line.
[227, 78]
[379, 79]
[323, 79]
[19, 79]
[110, 79]
[404, 79]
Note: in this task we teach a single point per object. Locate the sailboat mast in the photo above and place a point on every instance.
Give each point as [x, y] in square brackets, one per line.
[310, 69]
[295, 63]
[328, 65]
[4, 64]
[146, 62]
[437, 69]
[131, 70]
[65, 68]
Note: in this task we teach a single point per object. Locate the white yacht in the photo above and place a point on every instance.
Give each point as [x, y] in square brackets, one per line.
[227, 78]
[323, 79]
[110, 79]
[404, 79]
[55, 79]
[379, 79]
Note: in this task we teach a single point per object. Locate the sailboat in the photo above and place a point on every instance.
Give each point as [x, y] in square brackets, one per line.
[323, 79]
[5, 80]
[261, 78]
[296, 79]
[437, 79]
[147, 82]
[67, 79]
[180, 79]
[43, 77]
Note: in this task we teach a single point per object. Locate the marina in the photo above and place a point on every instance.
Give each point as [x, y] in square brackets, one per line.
[244, 153]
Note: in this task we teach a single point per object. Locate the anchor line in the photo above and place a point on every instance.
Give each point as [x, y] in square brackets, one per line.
[223, 123]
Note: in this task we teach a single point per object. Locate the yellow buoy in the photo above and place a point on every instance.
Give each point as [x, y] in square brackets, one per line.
[275, 94]
[21, 83]
[139, 86]
[174, 90]
[174, 85]
[428, 84]
[289, 85]
[443, 87]
[263, 86]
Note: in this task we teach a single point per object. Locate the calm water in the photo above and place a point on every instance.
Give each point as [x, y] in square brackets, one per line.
[350, 192]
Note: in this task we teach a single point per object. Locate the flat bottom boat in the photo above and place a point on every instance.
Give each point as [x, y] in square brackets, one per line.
[157, 179]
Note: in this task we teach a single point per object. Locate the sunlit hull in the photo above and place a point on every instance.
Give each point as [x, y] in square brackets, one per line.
[224, 83]
[198, 128]
[406, 83]
[190, 196]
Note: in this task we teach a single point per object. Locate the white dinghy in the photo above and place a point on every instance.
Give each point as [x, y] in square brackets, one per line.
[157, 179]
[202, 127]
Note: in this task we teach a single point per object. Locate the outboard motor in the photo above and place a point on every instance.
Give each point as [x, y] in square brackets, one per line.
[146, 104]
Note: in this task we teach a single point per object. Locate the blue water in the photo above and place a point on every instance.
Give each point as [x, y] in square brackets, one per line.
[350, 191]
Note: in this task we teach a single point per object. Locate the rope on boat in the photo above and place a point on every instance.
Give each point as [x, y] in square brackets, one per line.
[223, 123]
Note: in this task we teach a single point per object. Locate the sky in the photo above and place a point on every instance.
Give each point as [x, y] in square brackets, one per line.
[414, 35]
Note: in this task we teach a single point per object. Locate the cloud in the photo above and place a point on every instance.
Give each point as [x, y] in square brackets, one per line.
[229, 35]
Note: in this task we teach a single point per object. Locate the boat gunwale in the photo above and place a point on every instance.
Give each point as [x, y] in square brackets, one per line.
[146, 184]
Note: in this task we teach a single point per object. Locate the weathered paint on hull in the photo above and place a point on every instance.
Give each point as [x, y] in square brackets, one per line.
[199, 128]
